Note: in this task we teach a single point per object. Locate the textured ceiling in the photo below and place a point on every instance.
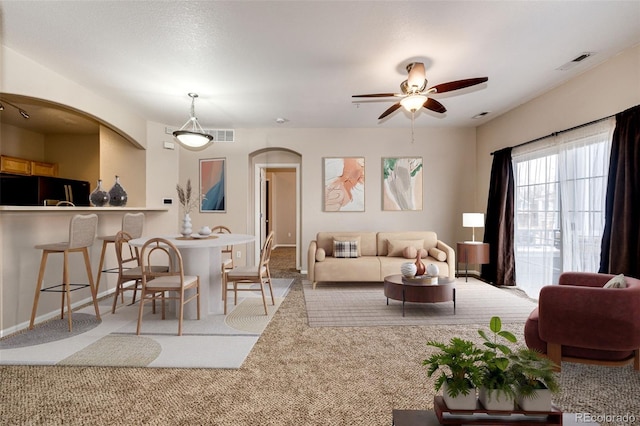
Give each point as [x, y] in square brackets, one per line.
[252, 62]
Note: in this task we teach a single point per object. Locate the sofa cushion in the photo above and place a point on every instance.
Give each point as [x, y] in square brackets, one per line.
[616, 282]
[409, 252]
[342, 249]
[430, 239]
[320, 255]
[361, 269]
[396, 247]
[437, 254]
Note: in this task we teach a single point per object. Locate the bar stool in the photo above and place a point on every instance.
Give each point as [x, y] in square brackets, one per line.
[82, 234]
[132, 224]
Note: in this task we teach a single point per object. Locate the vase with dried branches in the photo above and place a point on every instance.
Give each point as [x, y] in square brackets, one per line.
[188, 203]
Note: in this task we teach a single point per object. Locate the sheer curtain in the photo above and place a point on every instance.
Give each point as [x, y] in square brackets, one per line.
[560, 200]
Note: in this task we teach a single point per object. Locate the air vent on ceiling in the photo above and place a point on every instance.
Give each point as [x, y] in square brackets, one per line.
[219, 135]
[575, 61]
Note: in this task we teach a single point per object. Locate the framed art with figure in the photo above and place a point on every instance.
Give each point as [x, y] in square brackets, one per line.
[212, 185]
[344, 184]
[402, 183]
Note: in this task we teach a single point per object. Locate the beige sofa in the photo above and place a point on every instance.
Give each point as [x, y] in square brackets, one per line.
[380, 254]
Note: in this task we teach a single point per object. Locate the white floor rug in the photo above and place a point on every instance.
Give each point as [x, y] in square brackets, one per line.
[216, 341]
[364, 304]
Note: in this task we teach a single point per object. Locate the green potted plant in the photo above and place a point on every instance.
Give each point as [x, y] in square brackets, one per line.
[534, 376]
[496, 390]
[457, 363]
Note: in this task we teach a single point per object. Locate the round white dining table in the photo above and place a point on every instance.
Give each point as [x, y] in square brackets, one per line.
[202, 257]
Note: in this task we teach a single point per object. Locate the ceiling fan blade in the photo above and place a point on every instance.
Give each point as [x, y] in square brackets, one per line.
[435, 106]
[417, 76]
[458, 84]
[391, 109]
[375, 95]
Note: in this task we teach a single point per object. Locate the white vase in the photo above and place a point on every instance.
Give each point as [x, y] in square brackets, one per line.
[432, 270]
[494, 400]
[540, 400]
[408, 269]
[460, 402]
[186, 226]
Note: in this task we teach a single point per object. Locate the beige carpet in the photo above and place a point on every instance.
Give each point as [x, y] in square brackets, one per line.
[294, 376]
[364, 304]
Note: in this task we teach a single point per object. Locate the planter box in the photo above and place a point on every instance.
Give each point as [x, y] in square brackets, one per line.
[539, 401]
[495, 401]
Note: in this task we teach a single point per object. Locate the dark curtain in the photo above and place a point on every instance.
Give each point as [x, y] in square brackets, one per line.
[498, 232]
[620, 249]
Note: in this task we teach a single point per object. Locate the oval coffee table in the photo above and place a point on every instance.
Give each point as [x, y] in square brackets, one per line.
[397, 289]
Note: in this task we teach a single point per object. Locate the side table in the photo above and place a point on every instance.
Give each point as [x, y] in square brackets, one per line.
[472, 252]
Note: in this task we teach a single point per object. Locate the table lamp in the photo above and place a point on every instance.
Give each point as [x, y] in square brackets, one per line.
[473, 220]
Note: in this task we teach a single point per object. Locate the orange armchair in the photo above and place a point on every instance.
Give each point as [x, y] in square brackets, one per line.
[580, 321]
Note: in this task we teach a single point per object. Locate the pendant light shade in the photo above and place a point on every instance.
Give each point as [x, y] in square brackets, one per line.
[192, 136]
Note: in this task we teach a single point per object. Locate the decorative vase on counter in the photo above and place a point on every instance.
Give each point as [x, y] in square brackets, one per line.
[99, 197]
[117, 194]
[186, 226]
[420, 268]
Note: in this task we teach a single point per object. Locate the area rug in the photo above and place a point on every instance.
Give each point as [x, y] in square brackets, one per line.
[216, 341]
[364, 304]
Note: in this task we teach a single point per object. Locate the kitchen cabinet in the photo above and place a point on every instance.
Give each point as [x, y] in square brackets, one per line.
[22, 166]
[15, 165]
[39, 168]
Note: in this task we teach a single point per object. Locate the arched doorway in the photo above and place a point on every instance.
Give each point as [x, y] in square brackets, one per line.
[275, 204]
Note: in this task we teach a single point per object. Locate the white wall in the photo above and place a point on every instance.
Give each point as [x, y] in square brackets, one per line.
[449, 173]
[605, 90]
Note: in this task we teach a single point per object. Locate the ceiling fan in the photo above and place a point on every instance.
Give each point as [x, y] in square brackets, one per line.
[415, 95]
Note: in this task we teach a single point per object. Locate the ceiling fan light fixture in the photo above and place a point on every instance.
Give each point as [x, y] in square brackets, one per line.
[413, 103]
[191, 135]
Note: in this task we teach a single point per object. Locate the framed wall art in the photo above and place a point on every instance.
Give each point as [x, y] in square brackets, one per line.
[212, 185]
[344, 184]
[402, 183]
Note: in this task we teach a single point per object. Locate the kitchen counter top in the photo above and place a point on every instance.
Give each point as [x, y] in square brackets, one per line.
[36, 209]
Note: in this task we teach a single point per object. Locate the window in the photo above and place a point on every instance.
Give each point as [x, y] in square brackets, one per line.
[559, 207]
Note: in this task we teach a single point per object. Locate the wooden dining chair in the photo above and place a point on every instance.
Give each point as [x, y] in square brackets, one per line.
[249, 275]
[132, 224]
[226, 250]
[129, 269]
[156, 285]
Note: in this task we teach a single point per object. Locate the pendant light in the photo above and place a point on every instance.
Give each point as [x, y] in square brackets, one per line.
[192, 136]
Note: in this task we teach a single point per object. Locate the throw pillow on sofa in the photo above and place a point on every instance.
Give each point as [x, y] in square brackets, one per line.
[395, 248]
[409, 252]
[320, 254]
[437, 254]
[345, 249]
[354, 238]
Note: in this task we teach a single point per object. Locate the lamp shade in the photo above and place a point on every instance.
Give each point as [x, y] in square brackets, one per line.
[192, 136]
[473, 220]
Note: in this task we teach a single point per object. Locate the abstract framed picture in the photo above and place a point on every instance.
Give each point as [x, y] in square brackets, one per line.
[212, 185]
[402, 183]
[344, 184]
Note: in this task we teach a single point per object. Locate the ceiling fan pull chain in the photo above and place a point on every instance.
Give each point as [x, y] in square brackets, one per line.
[413, 117]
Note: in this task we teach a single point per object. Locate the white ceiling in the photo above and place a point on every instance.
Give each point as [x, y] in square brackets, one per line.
[254, 61]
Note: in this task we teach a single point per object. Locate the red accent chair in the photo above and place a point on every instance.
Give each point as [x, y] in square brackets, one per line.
[580, 321]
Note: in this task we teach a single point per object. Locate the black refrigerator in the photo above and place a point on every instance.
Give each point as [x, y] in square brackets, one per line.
[18, 190]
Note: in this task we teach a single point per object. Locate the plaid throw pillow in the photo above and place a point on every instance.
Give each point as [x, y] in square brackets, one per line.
[345, 249]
